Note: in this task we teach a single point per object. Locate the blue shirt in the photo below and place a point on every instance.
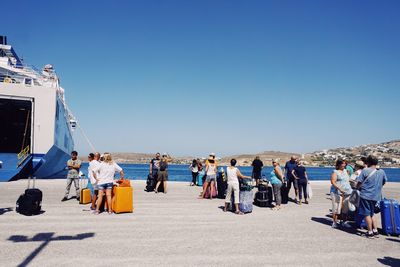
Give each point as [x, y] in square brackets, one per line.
[289, 167]
[301, 173]
[371, 188]
[274, 178]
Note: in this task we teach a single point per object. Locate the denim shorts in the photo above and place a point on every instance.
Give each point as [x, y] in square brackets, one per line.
[211, 177]
[366, 207]
[105, 186]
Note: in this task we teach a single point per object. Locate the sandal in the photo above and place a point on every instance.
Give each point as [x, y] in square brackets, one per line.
[239, 213]
[96, 212]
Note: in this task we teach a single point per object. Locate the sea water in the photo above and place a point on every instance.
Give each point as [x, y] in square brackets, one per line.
[183, 174]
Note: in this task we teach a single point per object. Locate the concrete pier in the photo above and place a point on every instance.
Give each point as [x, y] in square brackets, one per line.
[177, 229]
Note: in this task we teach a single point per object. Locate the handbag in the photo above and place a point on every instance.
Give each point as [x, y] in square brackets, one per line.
[309, 191]
[124, 183]
[355, 194]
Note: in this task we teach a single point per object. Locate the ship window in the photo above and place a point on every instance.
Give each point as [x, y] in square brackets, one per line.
[28, 81]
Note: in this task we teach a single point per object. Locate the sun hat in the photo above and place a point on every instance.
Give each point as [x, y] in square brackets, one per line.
[360, 163]
[212, 154]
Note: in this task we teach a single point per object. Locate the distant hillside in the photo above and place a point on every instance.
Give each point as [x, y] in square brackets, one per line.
[388, 154]
[266, 157]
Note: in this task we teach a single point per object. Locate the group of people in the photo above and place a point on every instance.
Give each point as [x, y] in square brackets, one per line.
[368, 178]
[159, 170]
[101, 173]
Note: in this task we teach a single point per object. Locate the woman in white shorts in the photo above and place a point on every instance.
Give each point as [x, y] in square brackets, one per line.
[340, 189]
[233, 174]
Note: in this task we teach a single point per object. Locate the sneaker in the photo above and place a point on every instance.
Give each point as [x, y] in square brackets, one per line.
[306, 202]
[334, 225]
[64, 199]
[369, 235]
[376, 234]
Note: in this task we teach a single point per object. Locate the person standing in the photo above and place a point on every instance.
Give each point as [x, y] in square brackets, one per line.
[211, 172]
[163, 172]
[93, 164]
[349, 168]
[155, 166]
[233, 186]
[370, 183]
[300, 174]
[74, 165]
[340, 189]
[257, 168]
[104, 175]
[289, 167]
[195, 171]
[277, 179]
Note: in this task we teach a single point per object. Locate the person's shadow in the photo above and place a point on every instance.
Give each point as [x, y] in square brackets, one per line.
[328, 221]
[4, 210]
[389, 261]
[46, 238]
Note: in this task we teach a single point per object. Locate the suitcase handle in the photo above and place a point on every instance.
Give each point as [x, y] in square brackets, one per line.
[29, 181]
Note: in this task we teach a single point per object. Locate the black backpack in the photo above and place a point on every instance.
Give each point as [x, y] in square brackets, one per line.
[163, 165]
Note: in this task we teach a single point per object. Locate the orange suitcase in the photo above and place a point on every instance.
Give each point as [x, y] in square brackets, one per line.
[122, 199]
[85, 196]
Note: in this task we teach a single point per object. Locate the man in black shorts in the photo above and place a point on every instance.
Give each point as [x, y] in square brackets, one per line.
[257, 168]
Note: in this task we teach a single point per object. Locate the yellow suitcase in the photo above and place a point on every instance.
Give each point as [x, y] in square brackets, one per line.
[85, 196]
[122, 199]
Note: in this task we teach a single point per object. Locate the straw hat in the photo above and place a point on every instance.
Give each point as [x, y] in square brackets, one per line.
[360, 163]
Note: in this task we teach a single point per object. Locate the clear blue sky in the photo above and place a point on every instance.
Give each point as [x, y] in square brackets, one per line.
[193, 77]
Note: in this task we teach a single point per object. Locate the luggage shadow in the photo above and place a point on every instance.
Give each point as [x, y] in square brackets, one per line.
[5, 210]
[389, 261]
[393, 239]
[46, 238]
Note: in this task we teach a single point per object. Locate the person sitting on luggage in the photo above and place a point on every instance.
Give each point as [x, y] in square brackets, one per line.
[233, 174]
[370, 183]
[257, 168]
[300, 174]
[74, 165]
[277, 180]
[104, 174]
[340, 190]
[93, 163]
[163, 172]
[211, 172]
[195, 171]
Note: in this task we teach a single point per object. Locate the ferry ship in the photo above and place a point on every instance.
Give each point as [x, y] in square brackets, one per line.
[36, 124]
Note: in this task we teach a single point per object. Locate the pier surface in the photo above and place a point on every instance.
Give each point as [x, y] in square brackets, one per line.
[177, 229]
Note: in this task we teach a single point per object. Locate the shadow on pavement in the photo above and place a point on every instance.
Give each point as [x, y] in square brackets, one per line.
[46, 238]
[389, 261]
[4, 210]
[394, 240]
[326, 221]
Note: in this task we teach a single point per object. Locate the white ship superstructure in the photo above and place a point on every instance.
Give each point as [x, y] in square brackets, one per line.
[36, 133]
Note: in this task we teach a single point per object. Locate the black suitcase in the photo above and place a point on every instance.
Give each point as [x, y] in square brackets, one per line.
[221, 185]
[285, 193]
[263, 198]
[30, 202]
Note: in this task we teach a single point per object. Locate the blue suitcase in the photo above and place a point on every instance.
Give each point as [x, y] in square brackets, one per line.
[360, 221]
[390, 216]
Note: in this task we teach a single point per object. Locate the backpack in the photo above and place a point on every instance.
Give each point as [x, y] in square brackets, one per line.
[163, 165]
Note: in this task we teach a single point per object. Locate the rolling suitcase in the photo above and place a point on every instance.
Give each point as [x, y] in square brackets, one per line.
[360, 221]
[284, 193]
[246, 201]
[30, 202]
[200, 177]
[390, 216]
[122, 200]
[208, 192]
[221, 185]
[150, 183]
[85, 196]
[263, 198]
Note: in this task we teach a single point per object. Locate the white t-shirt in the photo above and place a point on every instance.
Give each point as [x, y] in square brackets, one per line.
[106, 172]
[232, 175]
[93, 165]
